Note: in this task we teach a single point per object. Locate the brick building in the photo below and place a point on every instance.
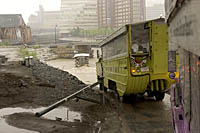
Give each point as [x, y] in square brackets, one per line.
[13, 29]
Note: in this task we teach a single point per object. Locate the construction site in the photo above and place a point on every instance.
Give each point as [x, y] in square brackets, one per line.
[100, 66]
[27, 90]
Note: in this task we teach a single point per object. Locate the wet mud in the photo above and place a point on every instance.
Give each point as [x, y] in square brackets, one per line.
[21, 95]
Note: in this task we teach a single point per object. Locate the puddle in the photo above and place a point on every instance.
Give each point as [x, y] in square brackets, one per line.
[4, 127]
[62, 113]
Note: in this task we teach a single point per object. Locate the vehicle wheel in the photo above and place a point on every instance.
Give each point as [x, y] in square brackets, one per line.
[105, 89]
[117, 96]
[121, 99]
[159, 96]
[102, 87]
[150, 94]
[125, 99]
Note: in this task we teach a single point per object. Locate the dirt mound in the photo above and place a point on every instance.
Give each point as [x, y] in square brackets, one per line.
[19, 87]
[13, 89]
[40, 85]
[11, 85]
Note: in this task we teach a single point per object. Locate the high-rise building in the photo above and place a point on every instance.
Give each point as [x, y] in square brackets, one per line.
[78, 14]
[116, 13]
[45, 26]
[44, 22]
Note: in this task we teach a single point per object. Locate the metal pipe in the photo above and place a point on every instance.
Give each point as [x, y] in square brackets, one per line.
[89, 100]
[55, 105]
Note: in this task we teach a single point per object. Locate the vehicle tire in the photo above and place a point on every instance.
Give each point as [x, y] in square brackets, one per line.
[105, 89]
[159, 96]
[102, 87]
[150, 94]
[117, 96]
[125, 99]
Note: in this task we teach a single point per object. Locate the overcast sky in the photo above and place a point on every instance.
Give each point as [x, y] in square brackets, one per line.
[28, 7]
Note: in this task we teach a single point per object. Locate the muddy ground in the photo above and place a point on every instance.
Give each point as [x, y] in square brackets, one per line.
[18, 88]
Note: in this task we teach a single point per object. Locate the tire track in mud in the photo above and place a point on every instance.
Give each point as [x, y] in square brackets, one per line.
[142, 115]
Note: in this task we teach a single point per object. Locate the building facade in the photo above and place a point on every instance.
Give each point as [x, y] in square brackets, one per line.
[13, 29]
[44, 22]
[116, 13]
[78, 14]
[45, 26]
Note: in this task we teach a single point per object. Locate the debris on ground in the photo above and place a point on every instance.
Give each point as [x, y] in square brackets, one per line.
[21, 87]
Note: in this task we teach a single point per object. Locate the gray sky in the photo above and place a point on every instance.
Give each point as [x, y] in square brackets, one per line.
[28, 7]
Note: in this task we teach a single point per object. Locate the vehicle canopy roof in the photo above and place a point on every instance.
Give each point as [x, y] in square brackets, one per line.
[124, 29]
[81, 55]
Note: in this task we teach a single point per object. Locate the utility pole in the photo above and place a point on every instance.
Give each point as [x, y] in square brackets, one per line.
[55, 33]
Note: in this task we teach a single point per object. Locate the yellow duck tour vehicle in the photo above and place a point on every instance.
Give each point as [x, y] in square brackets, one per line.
[135, 60]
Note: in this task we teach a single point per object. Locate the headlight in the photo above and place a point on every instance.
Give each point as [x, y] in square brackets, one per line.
[172, 75]
[137, 70]
[133, 70]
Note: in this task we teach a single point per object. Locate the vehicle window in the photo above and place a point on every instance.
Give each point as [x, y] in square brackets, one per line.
[117, 47]
[140, 39]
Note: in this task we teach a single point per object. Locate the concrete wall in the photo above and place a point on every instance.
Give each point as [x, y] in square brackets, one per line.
[190, 85]
[68, 51]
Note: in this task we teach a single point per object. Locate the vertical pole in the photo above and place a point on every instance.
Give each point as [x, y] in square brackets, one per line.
[101, 85]
[67, 114]
[97, 53]
[55, 33]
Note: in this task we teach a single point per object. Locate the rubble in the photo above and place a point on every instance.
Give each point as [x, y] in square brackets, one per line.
[41, 85]
[46, 86]
[62, 80]
[19, 88]
[3, 59]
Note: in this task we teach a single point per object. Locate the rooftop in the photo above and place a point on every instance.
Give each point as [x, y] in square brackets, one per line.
[10, 20]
